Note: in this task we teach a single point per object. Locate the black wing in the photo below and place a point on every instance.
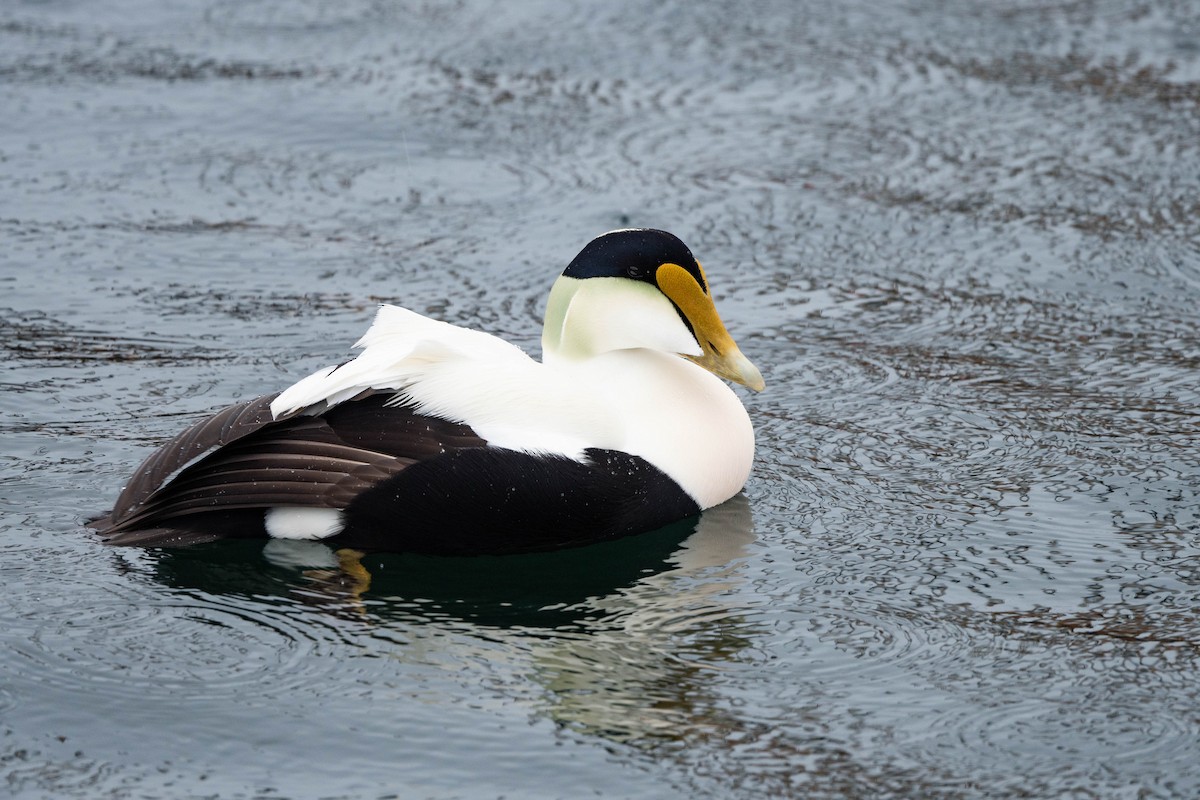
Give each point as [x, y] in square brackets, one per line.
[222, 428]
[320, 461]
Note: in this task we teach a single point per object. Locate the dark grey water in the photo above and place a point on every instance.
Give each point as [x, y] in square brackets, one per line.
[962, 240]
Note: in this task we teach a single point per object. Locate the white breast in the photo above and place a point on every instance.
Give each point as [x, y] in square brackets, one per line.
[680, 418]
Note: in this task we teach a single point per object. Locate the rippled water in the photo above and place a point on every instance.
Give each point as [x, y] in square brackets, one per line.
[962, 240]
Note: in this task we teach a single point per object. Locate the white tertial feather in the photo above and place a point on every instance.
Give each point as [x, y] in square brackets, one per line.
[399, 348]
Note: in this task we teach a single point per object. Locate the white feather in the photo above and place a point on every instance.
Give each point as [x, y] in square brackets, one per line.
[601, 386]
[399, 348]
[294, 522]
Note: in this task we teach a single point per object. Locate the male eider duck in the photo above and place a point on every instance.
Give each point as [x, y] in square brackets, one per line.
[441, 440]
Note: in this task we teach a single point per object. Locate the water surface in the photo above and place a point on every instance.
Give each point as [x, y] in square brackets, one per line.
[960, 238]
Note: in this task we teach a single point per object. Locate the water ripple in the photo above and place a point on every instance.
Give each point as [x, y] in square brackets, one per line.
[1039, 730]
[145, 646]
[958, 237]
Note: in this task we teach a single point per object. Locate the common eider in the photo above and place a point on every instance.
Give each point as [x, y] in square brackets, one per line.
[442, 440]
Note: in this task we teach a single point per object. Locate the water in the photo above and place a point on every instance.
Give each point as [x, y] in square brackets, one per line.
[961, 240]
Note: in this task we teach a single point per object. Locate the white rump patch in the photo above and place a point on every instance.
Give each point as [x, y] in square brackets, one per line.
[293, 522]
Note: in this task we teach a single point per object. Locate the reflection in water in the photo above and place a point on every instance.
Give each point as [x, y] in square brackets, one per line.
[620, 635]
[538, 590]
[638, 670]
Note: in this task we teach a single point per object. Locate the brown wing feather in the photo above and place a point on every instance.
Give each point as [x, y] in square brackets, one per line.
[220, 429]
[197, 529]
[323, 461]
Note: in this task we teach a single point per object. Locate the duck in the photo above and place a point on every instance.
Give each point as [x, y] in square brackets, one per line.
[441, 440]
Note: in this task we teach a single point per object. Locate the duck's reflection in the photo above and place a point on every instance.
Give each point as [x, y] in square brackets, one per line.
[622, 636]
[642, 669]
[538, 589]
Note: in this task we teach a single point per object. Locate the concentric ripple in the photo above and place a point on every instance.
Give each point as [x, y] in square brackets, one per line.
[1039, 730]
[140, 645]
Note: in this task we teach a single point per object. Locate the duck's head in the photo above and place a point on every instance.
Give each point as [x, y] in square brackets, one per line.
[641, 288]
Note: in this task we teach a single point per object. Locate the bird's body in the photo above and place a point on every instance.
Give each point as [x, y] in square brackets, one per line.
[440, 439]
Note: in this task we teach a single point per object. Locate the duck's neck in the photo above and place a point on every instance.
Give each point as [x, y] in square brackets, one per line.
[556, 315]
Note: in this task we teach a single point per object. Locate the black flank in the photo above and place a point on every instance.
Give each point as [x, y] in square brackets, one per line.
[494, 501]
